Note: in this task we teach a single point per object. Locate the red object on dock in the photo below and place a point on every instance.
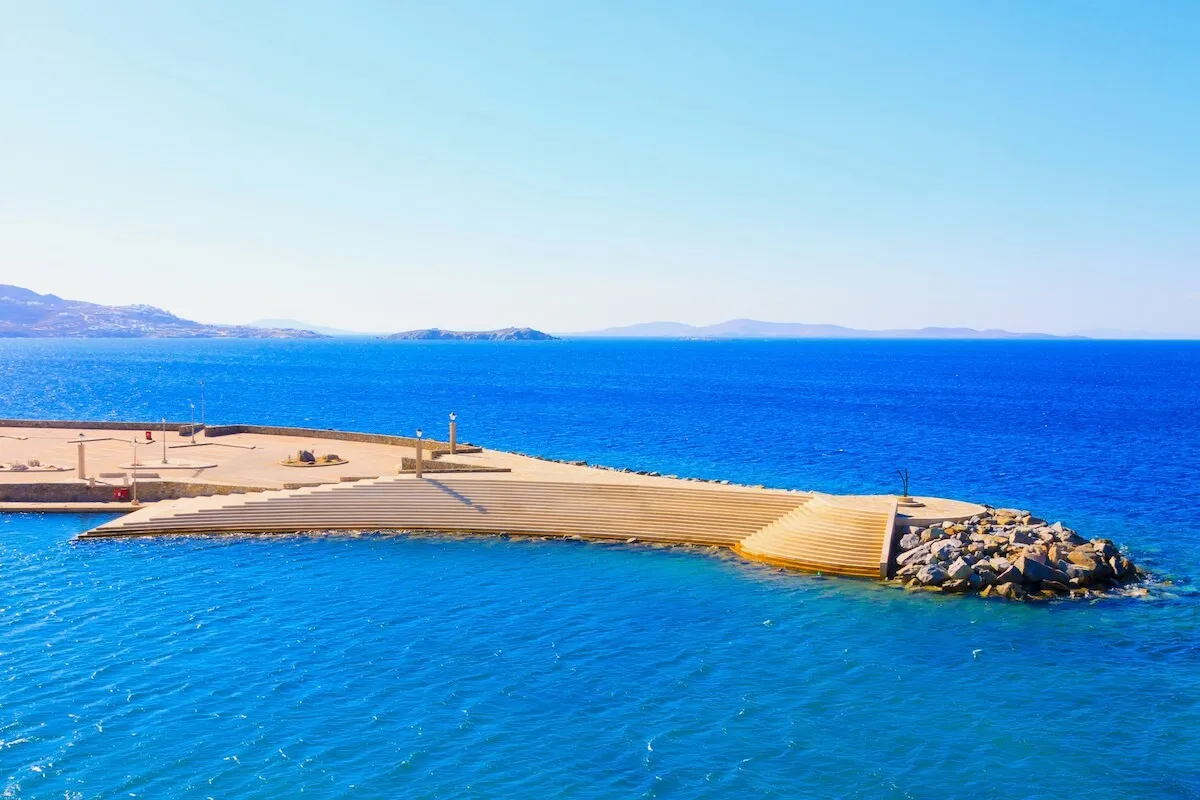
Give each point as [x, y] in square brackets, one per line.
[149, 436]
[121, 493]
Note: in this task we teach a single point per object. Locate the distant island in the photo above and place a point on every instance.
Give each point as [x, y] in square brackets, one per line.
[305, 326]
[501, 335]
[27, 314]
[756, 329]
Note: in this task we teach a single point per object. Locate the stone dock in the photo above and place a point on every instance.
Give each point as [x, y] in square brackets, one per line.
[245, 479]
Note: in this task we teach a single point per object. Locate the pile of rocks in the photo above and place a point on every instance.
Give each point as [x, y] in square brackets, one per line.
[1008, 553]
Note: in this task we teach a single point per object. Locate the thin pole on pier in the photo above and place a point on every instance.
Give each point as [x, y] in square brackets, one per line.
[193, 405]
[202, 404]
[164, 426]
[133, 495]
[453, 433]
[417, 467]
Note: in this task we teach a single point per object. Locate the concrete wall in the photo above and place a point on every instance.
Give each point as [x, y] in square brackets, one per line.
[431, 446]
[80, 492]
[410, 465]
[91, 425]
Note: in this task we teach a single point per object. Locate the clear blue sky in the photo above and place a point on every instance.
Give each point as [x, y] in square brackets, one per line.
[572, 165]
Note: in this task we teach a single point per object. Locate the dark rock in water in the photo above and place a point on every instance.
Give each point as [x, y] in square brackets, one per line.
[1031, 571]
[1009, 575]
[1010, 591]
[956, 586]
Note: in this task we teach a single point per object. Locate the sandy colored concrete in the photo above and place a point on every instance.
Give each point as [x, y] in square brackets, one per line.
[841, 534]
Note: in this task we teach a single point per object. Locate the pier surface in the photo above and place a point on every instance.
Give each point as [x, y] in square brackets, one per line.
[243, 487]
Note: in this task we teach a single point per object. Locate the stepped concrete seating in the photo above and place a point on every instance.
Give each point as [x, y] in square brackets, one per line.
[825, 536]
[715, 516]
[783, 528]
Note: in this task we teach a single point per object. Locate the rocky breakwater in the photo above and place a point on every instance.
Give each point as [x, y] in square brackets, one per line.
[1009, 553]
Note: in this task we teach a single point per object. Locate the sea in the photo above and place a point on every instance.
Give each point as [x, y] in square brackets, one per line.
[386, 665]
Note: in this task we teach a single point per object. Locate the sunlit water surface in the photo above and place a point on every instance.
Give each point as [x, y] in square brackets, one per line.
[433, 666]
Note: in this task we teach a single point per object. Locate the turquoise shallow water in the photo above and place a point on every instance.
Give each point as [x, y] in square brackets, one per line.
[422, 666]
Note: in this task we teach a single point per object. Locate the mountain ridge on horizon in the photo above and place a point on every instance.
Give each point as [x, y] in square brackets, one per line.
[758, 329]
[25, 314]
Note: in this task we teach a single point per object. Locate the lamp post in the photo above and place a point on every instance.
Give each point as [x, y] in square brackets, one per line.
[417, 463]
[193, 428]
[453, 433]
[164, 438]
[202, 425]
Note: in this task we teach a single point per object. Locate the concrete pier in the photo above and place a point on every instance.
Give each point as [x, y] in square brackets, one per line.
[485, 492]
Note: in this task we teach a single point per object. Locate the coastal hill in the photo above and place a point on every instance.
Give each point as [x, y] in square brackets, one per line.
[305, 326]
[755, 329]
[27, 314]
[501, 335]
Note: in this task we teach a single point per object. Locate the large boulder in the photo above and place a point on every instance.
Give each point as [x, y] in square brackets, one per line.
[1009, 574]
[916, 555]
[945, 549]
[1021, 537]
[1085, 558]
[910, 541]
[1010, 591]
[932, 575]
[959, 570]
[1036, 553]
[1031, 571]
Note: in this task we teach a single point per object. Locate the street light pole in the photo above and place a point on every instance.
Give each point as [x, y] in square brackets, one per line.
[453, 433]
[193, 429]
[202, 404]
[164, 438]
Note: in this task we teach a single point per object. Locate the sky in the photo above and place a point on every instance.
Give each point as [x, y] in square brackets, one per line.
[575, 165]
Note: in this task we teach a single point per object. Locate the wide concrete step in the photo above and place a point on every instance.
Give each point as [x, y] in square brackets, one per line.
[823, 536]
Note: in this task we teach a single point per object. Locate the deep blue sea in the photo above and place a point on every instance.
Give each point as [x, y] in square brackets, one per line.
[442, 667]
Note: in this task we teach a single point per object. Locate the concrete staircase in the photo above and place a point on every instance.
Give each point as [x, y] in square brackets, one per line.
[825, 536]
[801, 531]
[667, 514]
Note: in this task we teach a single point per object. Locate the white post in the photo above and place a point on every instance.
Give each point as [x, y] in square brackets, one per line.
[202, 404]
[193, 405]
[164, 424]
[453, 433]
[81, 465]
[417, 467]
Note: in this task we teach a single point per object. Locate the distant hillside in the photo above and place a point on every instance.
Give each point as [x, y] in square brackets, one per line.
[755, 329]
[296, 324]
[27, 314]
[502, 335]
